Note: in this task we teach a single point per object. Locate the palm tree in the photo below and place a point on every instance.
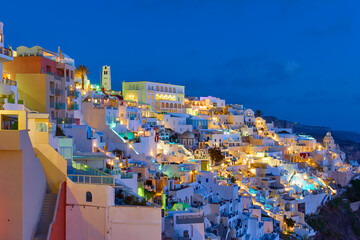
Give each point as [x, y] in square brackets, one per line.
[81, 71]
[258, 113]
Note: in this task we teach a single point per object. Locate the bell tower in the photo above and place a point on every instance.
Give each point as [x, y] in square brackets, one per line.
[106, 77]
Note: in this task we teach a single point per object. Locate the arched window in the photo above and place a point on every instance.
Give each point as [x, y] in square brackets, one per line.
[157, 97]
[179, 105]
[166, 89]
[174, 90]
[149, 96]
[167, 105]
[171, 105]
[157, 88]
[162, 88]
[170, 89]
[88, 197]
[175, 105]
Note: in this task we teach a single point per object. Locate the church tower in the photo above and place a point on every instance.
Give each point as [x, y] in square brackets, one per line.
[106, 78]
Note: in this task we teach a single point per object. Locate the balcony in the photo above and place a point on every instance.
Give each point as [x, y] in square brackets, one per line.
[57, 77]
[81, 173]
[59, 92]
[6, 52]
[67, 78]
[9, 82]
[74, 94]
[52, 104]
[66, 120]
[73, 106]
[59, 105]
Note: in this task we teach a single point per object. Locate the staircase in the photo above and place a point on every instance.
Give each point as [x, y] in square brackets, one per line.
[47, 214]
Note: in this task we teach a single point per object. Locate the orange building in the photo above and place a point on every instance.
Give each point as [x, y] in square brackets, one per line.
[47, 80]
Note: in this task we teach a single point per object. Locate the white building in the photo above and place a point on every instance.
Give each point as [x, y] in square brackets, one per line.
[213, 101]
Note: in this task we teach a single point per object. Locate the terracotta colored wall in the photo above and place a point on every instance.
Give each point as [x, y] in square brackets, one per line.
[58, 228]
[29, 65]
[22, 65]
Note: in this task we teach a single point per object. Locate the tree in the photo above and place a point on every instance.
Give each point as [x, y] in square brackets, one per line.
[81, 71]
[289, 222]
[216, 156]
[258, 113]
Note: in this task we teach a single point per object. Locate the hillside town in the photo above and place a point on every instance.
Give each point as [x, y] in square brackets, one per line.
[81, 160]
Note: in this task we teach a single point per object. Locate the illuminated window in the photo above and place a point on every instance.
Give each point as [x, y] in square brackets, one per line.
[149, 96]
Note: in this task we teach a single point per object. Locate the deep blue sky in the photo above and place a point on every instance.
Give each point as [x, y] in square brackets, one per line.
[295, 59]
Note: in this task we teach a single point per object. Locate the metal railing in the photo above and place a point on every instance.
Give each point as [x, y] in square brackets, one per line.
[5, 51]
[126, 175]
[58, 91]
[52, 90]
[57, 77]
[73, 107]
[72, 94]
[52, 104]
[59, 105]
[66, 120]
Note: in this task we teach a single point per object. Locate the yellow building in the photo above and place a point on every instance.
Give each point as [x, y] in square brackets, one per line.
[162, 97]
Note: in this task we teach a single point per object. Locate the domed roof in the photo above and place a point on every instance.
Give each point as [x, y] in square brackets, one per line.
[187, 134]
[328, 136]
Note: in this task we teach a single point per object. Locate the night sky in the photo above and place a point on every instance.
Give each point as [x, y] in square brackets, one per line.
[295, 59]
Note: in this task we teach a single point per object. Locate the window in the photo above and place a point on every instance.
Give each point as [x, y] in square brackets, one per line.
[9, 122]
[41, 127]
[88, 197]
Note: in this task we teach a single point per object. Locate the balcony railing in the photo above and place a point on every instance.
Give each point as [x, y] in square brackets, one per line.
[66, 120]
[73, 107]
[59, 105]
[57, 77]
[81, 173]
[5, 51]
[52, 104]
[67, 78]
[58, 92]
[73, 94]
[9, 82]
